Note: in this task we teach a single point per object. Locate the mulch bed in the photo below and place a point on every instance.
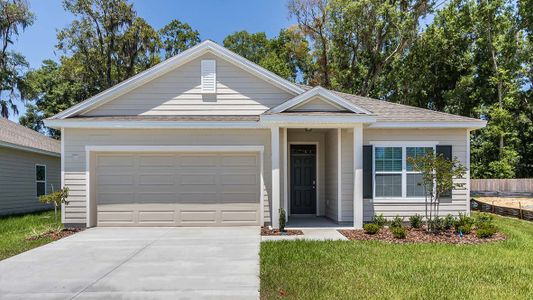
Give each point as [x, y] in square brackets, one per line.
[419, 236]
[268, 231]
[55, 234]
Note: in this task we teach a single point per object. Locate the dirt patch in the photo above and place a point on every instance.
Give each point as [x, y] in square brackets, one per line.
[513, 202]
[55, 234]
[420, 236]
[267, 231]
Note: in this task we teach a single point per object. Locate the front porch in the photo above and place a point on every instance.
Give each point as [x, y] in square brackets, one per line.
[317, 175]
[314, 222]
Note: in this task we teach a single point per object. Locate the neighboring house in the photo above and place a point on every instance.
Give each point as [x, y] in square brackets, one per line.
[208, 138]
[29, 167]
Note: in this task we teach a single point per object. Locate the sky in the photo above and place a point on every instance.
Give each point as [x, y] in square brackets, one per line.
[213, 19]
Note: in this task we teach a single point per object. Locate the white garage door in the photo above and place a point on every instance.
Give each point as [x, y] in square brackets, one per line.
[177, 189]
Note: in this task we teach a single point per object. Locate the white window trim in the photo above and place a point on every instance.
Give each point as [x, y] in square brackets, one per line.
[404, 171]
[40, 181]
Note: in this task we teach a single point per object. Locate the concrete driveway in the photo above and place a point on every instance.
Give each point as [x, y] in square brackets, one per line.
[138, 263]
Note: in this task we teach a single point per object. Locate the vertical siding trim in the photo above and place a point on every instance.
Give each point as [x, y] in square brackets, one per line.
[467, 172]
[285, 175]
[274, 144]
[358, 176]
[62, 184]
[339, 175]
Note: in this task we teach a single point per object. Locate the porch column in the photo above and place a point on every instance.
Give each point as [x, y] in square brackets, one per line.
[358, 176]
[285, 174]
[275, 196]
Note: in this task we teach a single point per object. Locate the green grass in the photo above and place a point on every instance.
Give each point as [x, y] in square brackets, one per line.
[362, 270]
[15, 229]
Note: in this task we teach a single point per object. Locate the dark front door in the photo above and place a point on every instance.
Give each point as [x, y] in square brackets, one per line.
[303, 179]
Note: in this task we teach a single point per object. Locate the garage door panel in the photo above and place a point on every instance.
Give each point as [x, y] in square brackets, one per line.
[239, 179]
[156, 197]
[157, 179]
[194, 160]
[177, 189]
[197, 179]
[115, 179]
[199, 198]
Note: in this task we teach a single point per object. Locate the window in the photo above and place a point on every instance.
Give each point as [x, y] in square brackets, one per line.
[394, 177]
[414, 179]
[388, 166]
[40, 179]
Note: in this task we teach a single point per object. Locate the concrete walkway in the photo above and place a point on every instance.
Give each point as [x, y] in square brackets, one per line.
[138, 263]
[312, 234]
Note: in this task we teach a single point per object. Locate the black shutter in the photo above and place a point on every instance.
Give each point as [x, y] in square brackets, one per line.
[446, 151]
[367, 171]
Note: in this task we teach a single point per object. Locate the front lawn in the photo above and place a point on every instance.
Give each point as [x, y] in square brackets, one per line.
[370, 269]
[14, 231]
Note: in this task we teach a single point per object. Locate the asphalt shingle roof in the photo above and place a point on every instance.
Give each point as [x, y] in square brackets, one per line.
[13, 133]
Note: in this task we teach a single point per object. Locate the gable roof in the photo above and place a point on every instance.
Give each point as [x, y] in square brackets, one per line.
[172, 63]
[323, 93]
[14, 135]
[386, 111]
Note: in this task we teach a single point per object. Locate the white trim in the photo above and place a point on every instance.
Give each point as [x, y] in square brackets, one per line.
[285, 173]
[358, 177]
[29, 149]
[275, 199]
[45, 181]
[437, 124]
[139, 148]
[404, 145]
[467, 172]
[303, 121]
[149, 124]
[314, 92]
[339, 175]
[62, 172]
[317, 170]
[172, 63]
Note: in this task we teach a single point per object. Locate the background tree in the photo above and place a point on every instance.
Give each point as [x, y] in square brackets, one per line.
[313, 18]
[368, 36]
[286, 54]
[177, 37]
[14, 17]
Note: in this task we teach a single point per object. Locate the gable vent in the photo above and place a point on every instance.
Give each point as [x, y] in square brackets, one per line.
[209, 76]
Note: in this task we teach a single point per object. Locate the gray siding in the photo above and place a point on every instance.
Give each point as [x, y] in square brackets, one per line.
[18, 191]
[179, 93]
[405, 208]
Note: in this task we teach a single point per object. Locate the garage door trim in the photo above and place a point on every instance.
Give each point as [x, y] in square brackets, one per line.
[204, 149]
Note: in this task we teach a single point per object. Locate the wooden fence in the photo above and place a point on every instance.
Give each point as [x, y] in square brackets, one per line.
[523, 185]
[523, 214]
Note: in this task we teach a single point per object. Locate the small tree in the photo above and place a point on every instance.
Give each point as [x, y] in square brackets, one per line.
[57, 198]
[437, 179]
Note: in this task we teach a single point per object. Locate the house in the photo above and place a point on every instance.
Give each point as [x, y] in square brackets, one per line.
[208, 138]
[29, 167]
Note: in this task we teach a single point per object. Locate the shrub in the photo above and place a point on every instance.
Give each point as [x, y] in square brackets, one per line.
[396, 222]
[463, 220]
[436, 225]
[379, 220]
[449, 221]
[486, 231]
[282, 218]
[465, 229]
[415, 221]
[483, 219]
[399, 232]
[371, 228]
